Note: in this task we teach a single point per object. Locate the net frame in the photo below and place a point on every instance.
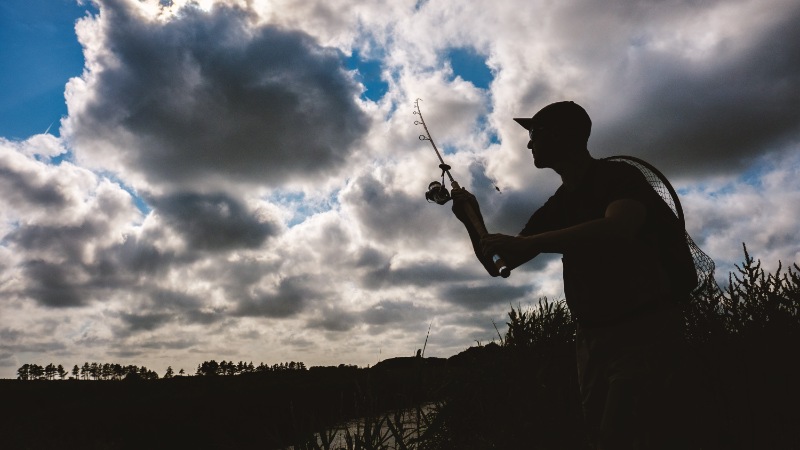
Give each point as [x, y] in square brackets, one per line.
[703, 264]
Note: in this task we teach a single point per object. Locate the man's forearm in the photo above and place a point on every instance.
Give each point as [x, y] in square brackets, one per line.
[561, 241]
[475, 239]
[622, 220]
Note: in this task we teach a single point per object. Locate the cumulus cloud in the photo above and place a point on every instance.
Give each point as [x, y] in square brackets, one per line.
[289, 298]
[207, 98]
[213, 221]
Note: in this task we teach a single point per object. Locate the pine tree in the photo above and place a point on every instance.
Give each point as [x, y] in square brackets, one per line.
[23, 373]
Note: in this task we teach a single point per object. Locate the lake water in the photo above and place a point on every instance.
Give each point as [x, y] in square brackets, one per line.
[381, 431]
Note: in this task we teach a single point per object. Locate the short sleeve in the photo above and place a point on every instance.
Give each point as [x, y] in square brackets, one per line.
[624, 181]
[544, 219]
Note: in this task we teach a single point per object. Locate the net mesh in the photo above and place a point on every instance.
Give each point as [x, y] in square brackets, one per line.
[656, 183]
[703, 264]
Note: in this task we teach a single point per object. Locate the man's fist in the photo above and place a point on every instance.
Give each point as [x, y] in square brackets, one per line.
[462, 199]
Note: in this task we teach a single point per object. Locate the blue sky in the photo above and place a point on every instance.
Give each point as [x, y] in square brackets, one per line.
[228, 180]
[40, 53]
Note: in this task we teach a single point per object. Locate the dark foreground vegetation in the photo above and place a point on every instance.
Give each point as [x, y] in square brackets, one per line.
[257, 410]
[738, 377]
[738, 380]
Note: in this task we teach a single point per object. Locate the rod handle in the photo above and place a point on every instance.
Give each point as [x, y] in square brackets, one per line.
[479, 226]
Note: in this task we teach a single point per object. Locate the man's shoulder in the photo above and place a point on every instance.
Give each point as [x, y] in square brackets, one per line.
[608, 174]
[616, 168]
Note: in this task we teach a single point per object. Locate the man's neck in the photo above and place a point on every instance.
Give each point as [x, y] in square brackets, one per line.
[573, 171]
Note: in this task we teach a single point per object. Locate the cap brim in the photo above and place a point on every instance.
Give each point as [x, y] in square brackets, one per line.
[526, 122]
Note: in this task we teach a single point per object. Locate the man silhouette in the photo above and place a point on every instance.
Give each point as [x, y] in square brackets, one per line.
[615, 234]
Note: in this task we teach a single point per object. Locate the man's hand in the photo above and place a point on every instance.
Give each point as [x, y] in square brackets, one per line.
[515, 250]
[461, 199]
[510, 247]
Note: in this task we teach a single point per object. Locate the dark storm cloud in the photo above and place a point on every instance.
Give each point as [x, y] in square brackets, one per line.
[140, 256]
[717, 113]
[370, 257]
[64, 279]
[292, 297]
[213, 221]
[207, 95]
[53, 285]
[144, 322]
[481, 297]
[180, 306]
[66, 241]
[159, 308]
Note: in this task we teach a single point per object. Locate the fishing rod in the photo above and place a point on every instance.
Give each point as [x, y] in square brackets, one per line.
[426, 340]
[438, 193]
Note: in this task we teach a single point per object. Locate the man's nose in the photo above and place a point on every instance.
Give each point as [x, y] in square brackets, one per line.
[530, 144]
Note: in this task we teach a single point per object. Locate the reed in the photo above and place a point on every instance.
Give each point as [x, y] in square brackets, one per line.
[396, 430]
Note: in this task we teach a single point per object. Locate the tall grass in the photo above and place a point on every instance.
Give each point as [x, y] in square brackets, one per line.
[754, 305]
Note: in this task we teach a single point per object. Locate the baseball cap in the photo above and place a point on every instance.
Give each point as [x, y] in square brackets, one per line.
[565, 116]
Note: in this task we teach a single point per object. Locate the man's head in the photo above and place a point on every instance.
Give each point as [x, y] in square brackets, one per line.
[557, 132]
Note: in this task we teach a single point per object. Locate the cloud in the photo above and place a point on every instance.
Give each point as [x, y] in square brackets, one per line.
[336, 320]
[389, 314]
[138, 254]
[292, 296]
[209, 99]
[213, 221]
[758, 209]
[422, 273]
[53, 285]
[478, 298]
[36, 190]
[718, 116]
[8, 360]
[148, 322]
[23, 189]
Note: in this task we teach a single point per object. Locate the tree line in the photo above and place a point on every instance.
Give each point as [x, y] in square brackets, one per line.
[113, 371]
[88, 371]
[230, 368]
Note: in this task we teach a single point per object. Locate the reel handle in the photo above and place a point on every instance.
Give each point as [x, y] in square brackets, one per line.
[480, 228]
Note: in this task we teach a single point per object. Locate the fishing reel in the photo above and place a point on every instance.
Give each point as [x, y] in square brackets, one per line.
[437, 193]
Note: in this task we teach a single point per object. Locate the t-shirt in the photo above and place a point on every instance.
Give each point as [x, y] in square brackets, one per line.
[605, 280]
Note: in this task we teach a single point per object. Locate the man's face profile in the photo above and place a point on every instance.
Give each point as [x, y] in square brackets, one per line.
[544, 148]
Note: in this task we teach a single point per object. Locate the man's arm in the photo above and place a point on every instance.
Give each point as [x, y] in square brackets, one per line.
[461, 200]
[622, 220]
